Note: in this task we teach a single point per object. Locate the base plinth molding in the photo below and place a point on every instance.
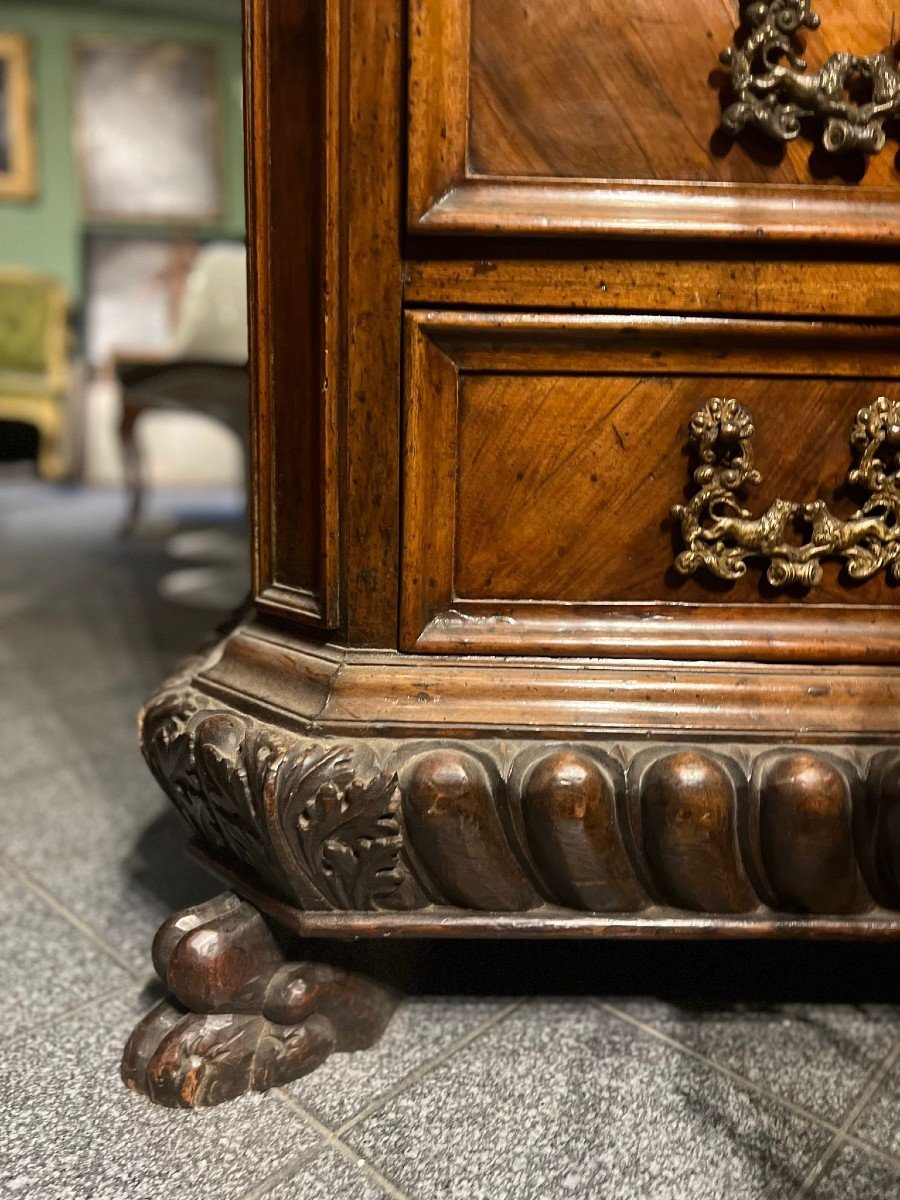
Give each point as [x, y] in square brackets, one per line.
[680, 832]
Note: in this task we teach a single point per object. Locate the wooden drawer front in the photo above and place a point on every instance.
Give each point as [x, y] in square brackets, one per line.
[587, 116]
[544, 455]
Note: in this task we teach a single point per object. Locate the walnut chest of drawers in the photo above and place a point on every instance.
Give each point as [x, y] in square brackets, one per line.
[576, 497]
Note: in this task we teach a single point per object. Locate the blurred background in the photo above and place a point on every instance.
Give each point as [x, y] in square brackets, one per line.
[123, 530]
[123, 344]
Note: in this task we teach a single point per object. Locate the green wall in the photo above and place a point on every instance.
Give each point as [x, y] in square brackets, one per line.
[47, 234]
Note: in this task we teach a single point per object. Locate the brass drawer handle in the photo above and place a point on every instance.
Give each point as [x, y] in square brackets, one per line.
[775, 97]
[721, 535]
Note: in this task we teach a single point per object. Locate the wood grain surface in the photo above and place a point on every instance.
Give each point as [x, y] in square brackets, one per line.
[544, 454]
[561, 120]
[588, 90]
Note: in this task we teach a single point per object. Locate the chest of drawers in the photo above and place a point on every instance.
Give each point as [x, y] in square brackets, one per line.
[576, 502]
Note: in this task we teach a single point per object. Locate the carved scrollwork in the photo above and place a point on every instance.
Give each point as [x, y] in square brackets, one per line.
[775, 95]
[346, 833]
[722, 536]
[241, 1015]
[511, 826]
[233, 778]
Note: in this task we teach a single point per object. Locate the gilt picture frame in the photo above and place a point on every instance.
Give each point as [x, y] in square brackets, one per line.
[18, 157]
[148, 132]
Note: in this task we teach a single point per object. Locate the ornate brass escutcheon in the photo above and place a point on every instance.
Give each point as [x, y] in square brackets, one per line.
[774, 93]
[721, 535]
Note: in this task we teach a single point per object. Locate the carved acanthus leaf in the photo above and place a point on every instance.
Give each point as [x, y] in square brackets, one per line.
[353, 841]
[345, 833]
[233, 778]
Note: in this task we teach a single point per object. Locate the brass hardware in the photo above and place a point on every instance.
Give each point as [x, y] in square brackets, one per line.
[721, 535]
[776, 97]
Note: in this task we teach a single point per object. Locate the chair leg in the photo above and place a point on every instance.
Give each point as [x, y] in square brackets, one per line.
[134, 474]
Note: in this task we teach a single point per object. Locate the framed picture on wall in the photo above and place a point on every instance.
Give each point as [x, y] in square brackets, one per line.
[18, 166]
[148, 132]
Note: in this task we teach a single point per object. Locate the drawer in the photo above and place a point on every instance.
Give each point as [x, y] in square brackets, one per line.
[566, 490]
[542, 117]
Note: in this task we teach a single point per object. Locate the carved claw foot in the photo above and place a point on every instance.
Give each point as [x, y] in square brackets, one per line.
[241, 1017]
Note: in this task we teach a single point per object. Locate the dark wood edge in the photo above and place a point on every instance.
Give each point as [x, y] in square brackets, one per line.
[324, 158]
[628, 277]
[438, 128]
[373, 219]
[658, 343]
[429, 479]
[256, 124]
[764, 633]
[573, 208]
[284, 601]
[550, 922]
[337, 690]
[333, 345]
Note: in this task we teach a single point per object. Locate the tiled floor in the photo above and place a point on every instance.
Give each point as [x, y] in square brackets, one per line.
[628, 1072]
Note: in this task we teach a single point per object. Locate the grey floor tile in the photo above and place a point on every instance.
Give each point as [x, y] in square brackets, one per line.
[108, 759]
[34, 736]
[561, 1099]
[63, 812]
[420, 1029]
[879, 1122]
[69, 1129]
[124, 901]
[48, 965]
[108, 725]
[330, 1176]
[7, 654]
[855, 1175]
[92, 797]
[117, 858]
[818, 1056]
[93, 644]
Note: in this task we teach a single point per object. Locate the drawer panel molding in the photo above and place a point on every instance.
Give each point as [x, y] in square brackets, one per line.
[558, 120]
[550, 488]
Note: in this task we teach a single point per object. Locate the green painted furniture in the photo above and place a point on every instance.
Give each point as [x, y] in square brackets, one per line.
[34, 360]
